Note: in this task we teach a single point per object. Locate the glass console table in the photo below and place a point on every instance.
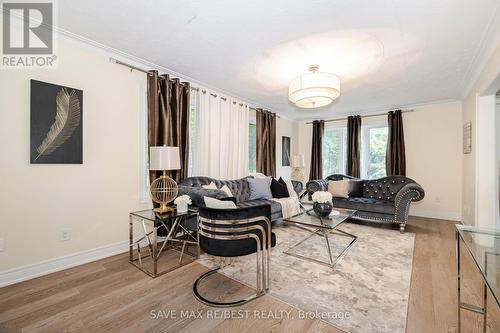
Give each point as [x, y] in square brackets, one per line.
[483, 245]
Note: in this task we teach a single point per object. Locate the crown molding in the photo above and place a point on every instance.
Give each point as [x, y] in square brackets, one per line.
[148, 65]
[487, 46]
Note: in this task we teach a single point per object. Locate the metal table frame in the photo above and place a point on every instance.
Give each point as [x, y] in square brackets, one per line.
[323, 231]
[178, 237]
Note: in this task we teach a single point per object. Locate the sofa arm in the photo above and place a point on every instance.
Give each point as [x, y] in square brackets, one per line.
[315, 186]
[407, 194]
[297, 186]
[197, 193]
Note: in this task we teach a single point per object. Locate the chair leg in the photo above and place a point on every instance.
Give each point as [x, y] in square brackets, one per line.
[402, 227]
[208, 302]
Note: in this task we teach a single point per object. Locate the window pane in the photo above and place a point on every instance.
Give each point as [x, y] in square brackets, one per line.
[333, 152]
[377, 149]
[252, 150]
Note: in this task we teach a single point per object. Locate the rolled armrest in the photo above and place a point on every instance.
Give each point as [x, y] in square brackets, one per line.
[197, 193]
[316, 185]
[297, 186]
[407, 194]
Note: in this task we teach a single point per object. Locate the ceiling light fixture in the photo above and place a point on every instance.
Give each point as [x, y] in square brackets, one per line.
[314, 89]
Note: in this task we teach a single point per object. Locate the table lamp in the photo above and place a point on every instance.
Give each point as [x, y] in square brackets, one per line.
[298, 163]
[164, 189]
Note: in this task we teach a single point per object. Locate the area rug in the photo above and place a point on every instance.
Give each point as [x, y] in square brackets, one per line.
[367, 291]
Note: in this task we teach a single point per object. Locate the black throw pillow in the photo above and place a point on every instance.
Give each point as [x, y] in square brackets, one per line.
[279, 189]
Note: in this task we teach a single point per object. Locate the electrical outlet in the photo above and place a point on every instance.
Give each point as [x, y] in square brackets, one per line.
[2, 245]
[438, 199]
[65, 235]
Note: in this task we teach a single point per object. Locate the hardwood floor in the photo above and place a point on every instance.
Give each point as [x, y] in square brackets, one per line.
[110, 295]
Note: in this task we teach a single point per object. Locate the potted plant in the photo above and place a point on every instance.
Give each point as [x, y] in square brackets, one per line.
[182, 202]
[322, 203]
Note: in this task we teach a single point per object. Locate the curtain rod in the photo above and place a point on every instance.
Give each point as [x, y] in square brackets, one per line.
[134, 68]
[367, 116]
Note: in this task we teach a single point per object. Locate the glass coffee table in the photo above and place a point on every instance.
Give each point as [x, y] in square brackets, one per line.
[316, 225]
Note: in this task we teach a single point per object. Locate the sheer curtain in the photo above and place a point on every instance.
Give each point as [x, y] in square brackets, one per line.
[223, 136]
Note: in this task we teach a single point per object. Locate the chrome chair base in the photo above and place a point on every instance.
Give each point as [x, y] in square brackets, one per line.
[208, 302]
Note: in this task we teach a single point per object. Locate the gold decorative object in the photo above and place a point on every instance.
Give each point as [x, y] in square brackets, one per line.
[164, 189]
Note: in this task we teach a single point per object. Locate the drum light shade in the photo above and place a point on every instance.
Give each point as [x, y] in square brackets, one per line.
[314, 89]
[164, 158]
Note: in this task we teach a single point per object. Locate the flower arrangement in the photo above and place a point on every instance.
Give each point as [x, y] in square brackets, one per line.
[322, 197]
[183, 199]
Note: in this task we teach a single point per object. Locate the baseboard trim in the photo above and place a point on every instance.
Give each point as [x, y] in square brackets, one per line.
[451, 216]
[23, 273]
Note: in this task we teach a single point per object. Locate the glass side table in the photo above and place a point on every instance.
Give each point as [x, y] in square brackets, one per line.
[483, 245]
[152, 234]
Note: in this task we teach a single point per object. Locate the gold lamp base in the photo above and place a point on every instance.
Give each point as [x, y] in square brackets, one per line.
[163, 190]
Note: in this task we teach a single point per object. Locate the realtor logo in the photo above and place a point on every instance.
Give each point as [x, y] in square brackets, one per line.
[27, 35]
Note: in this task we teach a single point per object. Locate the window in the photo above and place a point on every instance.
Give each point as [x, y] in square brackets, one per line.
[334, 151]
[252, 147]
[373, 150]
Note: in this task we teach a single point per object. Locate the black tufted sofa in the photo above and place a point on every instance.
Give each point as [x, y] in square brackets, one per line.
[240, 189]
[381, 200]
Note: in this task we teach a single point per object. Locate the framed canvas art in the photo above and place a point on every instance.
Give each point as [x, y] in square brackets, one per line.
[56, 124]
[285, 151]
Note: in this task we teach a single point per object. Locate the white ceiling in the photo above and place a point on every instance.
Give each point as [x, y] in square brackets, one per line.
[388, 53]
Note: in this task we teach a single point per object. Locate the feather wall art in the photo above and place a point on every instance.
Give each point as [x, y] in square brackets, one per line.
[56, 124]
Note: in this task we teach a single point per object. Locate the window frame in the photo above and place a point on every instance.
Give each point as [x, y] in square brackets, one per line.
[365, 146]
[341, 127]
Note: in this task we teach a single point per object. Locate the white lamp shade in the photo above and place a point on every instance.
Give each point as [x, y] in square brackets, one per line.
[164, 158]
[313, 90]
[298, 161]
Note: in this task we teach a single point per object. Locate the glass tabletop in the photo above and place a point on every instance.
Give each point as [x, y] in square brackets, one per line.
[309, 218]
[484, 247]
[151, 215]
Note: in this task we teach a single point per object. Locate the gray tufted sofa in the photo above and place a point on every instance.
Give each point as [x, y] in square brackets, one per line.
[240, 189]
[381, 200]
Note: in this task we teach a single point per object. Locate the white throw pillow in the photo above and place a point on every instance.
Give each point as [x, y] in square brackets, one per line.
[218, 204]
[289, 187]
[226, 190]
[339, 188]
[210, 186]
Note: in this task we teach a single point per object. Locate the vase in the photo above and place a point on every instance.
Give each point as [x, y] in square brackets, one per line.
[323, 209]
[182, 207]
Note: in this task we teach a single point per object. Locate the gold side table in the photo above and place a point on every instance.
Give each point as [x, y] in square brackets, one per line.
[152, 235]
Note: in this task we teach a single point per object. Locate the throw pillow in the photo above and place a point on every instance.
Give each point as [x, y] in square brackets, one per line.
[260, 188]
[218, 204]
[279, 188]
[339, 188]
[355, 188]
[226, 190]
[210, 186]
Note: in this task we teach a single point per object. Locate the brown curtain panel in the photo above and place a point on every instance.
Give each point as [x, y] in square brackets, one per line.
[266, 143]
[316, 171]
[168, 118]
[395, 158]
[353, 167]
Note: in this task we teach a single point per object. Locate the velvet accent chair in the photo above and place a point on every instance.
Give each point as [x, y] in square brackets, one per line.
[233, 233]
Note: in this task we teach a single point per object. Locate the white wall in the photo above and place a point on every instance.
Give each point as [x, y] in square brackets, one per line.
[91, 200]
[433, 137]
